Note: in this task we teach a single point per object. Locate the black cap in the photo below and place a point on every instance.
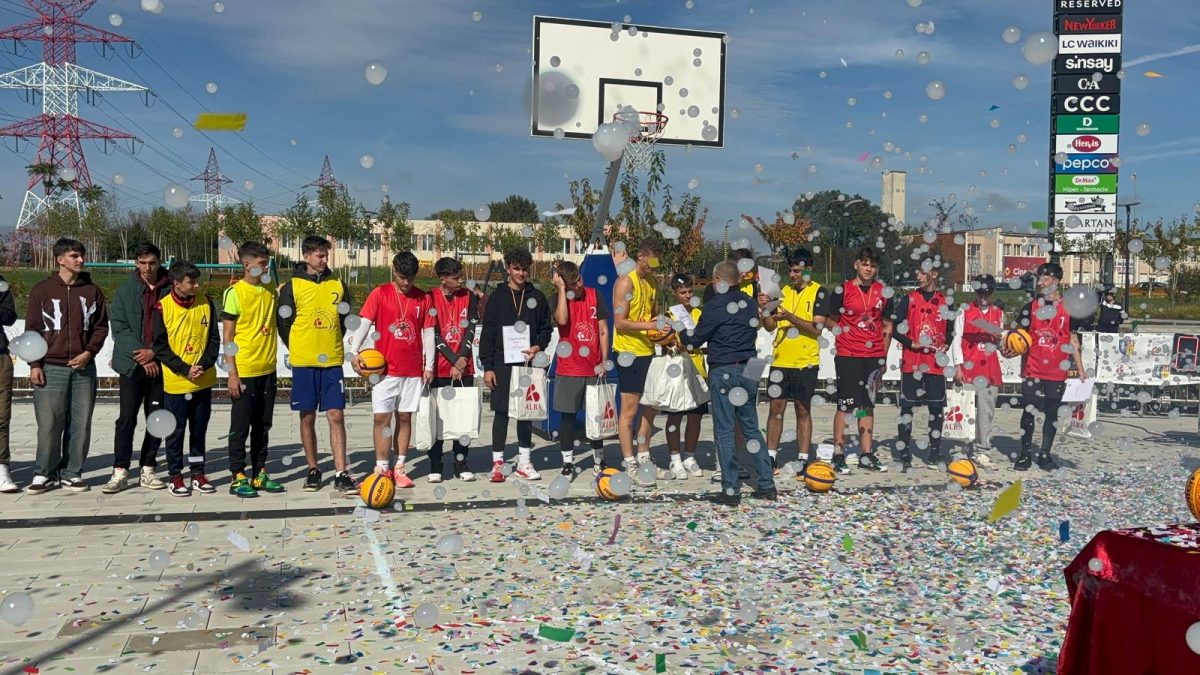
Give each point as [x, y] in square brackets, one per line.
[985, 283]
[1053, 269]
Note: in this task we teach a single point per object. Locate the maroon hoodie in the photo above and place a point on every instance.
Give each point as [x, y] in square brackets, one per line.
[72, 318]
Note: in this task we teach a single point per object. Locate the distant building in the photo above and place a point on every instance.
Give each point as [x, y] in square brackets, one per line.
[893, 200]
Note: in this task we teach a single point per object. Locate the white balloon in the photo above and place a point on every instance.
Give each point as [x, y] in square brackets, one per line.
[16, 608]
[483, 212]
[366, 161]
[425, 615]
[559, 487]
[610, 140]
[450, 544]
[160, 424]
[29, 346]
[375, 72]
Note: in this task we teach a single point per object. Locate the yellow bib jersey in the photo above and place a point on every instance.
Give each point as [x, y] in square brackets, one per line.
[799, 351]
[188, 331]
[315, 331]
[638, 308]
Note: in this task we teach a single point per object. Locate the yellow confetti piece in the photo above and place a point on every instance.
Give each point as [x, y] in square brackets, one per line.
[1153, 74]
[1006, 502]
[208, 121]
[564, 526]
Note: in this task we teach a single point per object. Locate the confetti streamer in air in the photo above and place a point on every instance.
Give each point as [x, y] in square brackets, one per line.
[1152, 74]
[208, 121]
[863, 157]
[993, 107]
[616, 526]
[1007, 502]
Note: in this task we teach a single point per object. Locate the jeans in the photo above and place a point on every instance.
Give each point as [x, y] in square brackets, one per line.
[721, 380]
[139, 392]
[193, 414]
[63, 411]
[6, 387]
[250, 417]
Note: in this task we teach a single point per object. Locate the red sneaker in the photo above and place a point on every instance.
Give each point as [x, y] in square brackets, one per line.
[200, 482]
[402, 480]
[497, 474]
[177, 487]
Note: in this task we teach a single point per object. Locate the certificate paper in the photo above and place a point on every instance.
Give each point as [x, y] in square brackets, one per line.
[514, 343]
[1077, 392]
[682, 315]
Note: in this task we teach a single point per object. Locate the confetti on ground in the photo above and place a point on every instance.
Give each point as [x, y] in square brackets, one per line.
[556, 634]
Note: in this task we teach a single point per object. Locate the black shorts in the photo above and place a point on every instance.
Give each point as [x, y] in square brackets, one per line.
[929, 389]
[854, 374]
[701, 409]
[631, 379]
[795, 384]
[1044, 395]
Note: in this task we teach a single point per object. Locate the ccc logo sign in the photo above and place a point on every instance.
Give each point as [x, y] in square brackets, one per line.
[1088, 104]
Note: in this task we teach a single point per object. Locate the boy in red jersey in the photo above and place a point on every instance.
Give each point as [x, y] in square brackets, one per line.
[864, 335]
[1045, 365]
[924, 331]
[975, 353]
[455, 313]
[582, 318]
[400, 310]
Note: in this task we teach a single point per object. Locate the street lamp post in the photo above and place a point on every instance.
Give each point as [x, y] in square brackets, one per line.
[1128, 207]
[725, 241]
[845, 238]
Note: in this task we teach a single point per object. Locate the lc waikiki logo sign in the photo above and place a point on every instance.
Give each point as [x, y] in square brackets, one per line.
[1107, 43]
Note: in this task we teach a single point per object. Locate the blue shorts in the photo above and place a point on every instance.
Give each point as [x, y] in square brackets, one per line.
[315, 388]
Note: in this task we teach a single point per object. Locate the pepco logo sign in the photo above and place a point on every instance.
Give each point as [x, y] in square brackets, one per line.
[1086, 144]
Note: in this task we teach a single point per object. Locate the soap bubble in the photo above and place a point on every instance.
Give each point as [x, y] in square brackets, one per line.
[483, 212]
[116, 19]
[425, 615]
[610, 140]
[1011, 35]
[1020, 82]
[1135, 246]
[160, 423]
[1162, 262]
[646, 472]
[936, 90]
[1040, 47]
[1193, 637]
[219, 7]
[152, 6]
[620, 484]
[450, 544]
[563, 349]
[192, 530]
[439, 492]
[176, 196]
[738, 396]
[1096, 565]
[477, 15]
[211, 88]
[248, 185]
[375, 72]
[160, 560]
[366, 161]
[559, 487]
[29, 346]
[1143, 129]
[285, 311]
[16, 608]
[118, 179]
[924, 58]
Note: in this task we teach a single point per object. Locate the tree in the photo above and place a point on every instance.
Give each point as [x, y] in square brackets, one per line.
[1168, 245]
[786, 230]
[514, 209]
[339, 216]
[169, 231]
[633, 221]
[842, 223]
[682, 231]
[242, 223]
[297, 221]
[455, 214]
[47, 173]
[546, 239]
[396, 224]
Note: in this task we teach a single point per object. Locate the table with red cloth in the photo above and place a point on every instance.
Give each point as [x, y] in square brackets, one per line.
[1130, 615]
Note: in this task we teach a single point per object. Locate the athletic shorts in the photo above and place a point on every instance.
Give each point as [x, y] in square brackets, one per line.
[929, 390]
[795, 384]
[631, 379]
[397, 394]
[569, 392]
[853, 380]
[318, 388]
[1044, 395]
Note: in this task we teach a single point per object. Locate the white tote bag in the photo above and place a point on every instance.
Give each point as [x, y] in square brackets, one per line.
[425, 422]
[458, 411]
[600, 410]
[674, 385]
[527, 394]
[959, 422]
[1081, 417]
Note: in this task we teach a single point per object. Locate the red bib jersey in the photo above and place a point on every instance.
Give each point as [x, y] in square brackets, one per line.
[979, 347]
[453, 322]
[399, 319]
[583, 334]
[1050, 330]
[927, 330]
[861, 321]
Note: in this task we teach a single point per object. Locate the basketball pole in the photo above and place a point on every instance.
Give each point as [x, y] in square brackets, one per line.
[610, 186]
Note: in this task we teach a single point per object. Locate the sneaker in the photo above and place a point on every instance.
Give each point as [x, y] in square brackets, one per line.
[241, 487]
[179, 488]
[525, 470]
[693, 468]
[1024, 461]
[723, 499]
[149, 479]
[75, 485]
[461, 473]
[663, 474]
[200, 482]
[743, 473]
[802, 466]
[344, 484]
[934, 461]
[568, 470]
[263, 482]
[871, 463]
[1046, 462]
[6, 482]
[313, 482]
[678, 471]
[715, 477]
[41, 485]
[497, 475]
[774, 466]
[118, 482]
[905, 462]
[840, 465]
[434, 478]
[402, 479]
[768, 495]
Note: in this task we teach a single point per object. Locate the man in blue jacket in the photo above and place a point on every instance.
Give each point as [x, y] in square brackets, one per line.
[729, 324]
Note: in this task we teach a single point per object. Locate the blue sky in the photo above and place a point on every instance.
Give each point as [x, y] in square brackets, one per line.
[447, 130]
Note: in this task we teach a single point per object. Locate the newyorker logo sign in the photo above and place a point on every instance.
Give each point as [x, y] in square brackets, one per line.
[1108, 43]
[1098, 6]
[1108, 64]
[1089, 23]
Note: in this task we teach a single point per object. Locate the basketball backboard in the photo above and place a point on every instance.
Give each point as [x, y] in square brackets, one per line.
[582, 76]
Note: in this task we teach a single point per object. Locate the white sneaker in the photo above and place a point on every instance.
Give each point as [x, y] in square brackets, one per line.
[678, 471]
[663, 474]
[118, 482]
[466, 476]
[525, 470]
[716, 476]
[692, 467]
[434, 478]
[6, 482]
[149, 480]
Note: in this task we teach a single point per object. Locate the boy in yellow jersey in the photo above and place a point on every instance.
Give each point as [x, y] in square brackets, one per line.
[682, 284]
[797, 323]
[313, 306]
[634, 297]
[186, 343]
[248, 310]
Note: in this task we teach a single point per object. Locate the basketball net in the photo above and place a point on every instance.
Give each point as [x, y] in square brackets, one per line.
[646, 128]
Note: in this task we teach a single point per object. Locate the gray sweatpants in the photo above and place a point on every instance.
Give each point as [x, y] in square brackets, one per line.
[985, 417]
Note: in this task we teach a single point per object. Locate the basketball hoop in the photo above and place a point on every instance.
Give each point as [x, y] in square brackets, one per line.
[649, 128]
